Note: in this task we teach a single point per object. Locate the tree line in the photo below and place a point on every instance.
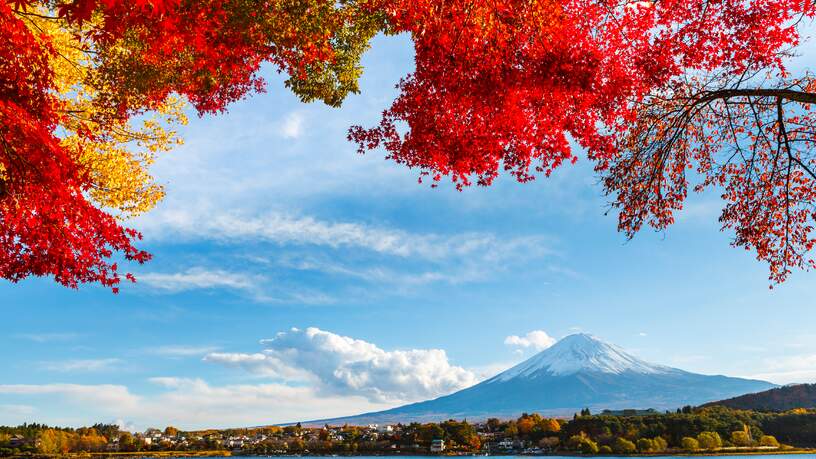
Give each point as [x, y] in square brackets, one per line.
[687, 430]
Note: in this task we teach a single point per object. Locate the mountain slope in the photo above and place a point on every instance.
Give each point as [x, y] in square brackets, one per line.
[579, 371]
[779, 399]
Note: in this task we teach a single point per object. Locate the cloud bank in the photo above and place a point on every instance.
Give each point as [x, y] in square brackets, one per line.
[189, 403]
[538, 340]
[341, 365]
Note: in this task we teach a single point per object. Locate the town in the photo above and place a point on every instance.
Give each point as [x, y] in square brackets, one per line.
[688, 430]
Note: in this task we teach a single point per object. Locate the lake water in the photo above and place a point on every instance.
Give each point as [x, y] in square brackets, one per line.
[752, 456]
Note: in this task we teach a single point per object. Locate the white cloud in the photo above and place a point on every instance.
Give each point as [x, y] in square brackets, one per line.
[259, 363]
[285, 229]
[198, 278]
[18, 410]
[787, 370]
[90, 395]
[536, 339]
[188, 403]
[256, 286]
[181, 350]
[80, 365]
[384, 275]
[292, 126]
[346, 366]
[402, 260]
[47, 337]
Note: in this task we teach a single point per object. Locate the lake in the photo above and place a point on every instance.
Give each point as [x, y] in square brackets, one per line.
[724, 456]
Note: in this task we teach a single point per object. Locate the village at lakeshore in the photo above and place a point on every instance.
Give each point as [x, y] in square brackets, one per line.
[515, 412]
[713, 430]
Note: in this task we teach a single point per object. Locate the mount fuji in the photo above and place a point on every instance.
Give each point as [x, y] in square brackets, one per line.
[579, 371]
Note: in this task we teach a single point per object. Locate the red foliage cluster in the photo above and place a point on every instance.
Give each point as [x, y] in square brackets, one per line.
[48, 227]
[499, 84]
[208, 51]
[514, 84]
[508, 83]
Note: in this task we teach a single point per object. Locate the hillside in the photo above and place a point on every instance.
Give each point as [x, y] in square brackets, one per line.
[779, 399]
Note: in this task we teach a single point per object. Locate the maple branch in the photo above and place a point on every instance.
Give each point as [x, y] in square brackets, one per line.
[787, 94]
[783, 135]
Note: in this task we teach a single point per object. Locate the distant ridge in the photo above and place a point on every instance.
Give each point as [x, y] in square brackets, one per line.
[779, 399]
[579, 371]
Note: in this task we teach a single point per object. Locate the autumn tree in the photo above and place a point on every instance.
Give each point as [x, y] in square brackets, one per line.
[662, 96]
[709, 440]
[623, 446]
[645, 445]
[89, 94]
[769, 441]
[583, 444]
[550, 425]
[741, 438]
[689, 444]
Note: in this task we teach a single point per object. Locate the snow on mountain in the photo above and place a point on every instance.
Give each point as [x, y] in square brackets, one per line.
[580, 371]
[581, 352]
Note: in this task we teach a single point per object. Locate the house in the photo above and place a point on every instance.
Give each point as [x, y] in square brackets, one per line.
[505, 444]
[437, 445]
[17, 441]
[113, 444]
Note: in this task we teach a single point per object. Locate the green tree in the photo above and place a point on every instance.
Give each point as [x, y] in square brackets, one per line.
[741, 438]
[645, 445]
[47, 442]
[768, 440]
[583, 444]
[126, 442]
[623, 446]
[588, 447]
[511, 429]
[494, 424]
[709, 440]
[660, 444]
[689, 444]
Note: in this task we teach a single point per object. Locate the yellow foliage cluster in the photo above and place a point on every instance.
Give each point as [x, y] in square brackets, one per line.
[115, 150]
[53, 441]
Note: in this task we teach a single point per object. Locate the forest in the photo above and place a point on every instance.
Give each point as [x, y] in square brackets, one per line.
[689, 430]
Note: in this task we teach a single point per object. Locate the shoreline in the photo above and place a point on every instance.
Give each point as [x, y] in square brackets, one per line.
[210, 454]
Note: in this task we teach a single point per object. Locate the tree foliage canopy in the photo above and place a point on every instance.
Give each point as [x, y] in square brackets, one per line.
[663, 96]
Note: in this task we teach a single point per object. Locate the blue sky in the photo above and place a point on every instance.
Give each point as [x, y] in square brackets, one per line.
[274, 222]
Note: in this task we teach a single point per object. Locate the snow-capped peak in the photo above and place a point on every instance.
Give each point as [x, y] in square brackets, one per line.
[581, 352]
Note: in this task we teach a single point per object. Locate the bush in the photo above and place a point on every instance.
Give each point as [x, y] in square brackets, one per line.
[644, 445]
[741, 438]
[689, 444]
[589, 447]
[768, 440]
[660, 444]
[709, 440]
[605, 449]
[623, 446]
[583, 444]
